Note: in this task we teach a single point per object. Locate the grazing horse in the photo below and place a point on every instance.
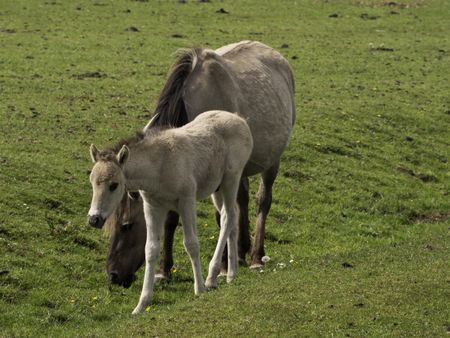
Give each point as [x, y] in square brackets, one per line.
[173, 168]
[246, 77]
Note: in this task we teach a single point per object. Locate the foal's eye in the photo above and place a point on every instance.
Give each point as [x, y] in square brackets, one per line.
[113, 186]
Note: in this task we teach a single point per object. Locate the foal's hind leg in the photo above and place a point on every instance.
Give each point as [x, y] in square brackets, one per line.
[263, 202]
[186, 208]
[225, 201]
[243, 236]
[166, 262]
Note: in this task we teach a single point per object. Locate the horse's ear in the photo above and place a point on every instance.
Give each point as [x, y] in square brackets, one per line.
[123, 154]
[94, 153]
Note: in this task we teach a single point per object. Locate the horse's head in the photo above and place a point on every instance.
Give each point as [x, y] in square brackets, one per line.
[127, 234]
[108, 184]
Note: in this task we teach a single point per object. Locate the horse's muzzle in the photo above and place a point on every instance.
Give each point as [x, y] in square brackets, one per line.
[96, 221]
[126, 282]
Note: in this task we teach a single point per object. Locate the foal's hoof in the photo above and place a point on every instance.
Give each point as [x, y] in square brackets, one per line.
[161, 278]
[199, 289]
[138, 310]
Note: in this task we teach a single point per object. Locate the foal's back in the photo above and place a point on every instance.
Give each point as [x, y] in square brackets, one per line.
[216, 143]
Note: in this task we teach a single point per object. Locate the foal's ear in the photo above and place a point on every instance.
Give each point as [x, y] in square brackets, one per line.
[94, 153]
[123, 154]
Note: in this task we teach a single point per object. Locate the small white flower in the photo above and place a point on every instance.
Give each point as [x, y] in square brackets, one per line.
[281, 265]
[265, 259]
[291, 261]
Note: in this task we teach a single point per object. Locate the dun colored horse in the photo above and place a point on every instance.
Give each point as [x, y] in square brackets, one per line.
[172, 169]
[246, 77]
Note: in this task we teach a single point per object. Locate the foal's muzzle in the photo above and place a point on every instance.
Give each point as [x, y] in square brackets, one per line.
[96, 221]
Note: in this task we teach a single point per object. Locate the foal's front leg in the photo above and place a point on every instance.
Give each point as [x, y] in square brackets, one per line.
[154, 219]
[186, 209]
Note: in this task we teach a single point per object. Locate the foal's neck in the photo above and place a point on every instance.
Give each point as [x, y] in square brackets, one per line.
[140, 169]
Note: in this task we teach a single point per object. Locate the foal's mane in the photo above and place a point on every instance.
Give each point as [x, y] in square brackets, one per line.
[109, 154]
[170, 109]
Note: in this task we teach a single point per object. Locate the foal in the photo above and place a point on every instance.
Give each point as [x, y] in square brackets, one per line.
[173, 168]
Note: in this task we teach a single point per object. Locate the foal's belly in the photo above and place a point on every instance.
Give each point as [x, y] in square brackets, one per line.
[207, 187]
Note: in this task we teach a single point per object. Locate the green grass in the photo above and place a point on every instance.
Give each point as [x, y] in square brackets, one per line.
[360, 217]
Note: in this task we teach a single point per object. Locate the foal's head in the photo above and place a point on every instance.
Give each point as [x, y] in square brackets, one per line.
[108, 184]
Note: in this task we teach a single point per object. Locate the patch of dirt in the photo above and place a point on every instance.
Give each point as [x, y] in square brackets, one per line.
[7, 30]
[430, 217]
[366, 16]
[426, 178]
[347, 265]
[222, 11]
[132, 29]
[96, 75]
[380, 48]
[392, 4]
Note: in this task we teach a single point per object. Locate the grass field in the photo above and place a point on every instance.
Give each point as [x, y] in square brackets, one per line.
[359, 231]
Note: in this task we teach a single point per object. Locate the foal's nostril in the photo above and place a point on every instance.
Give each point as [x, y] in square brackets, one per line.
[114, 277]
[95, 221]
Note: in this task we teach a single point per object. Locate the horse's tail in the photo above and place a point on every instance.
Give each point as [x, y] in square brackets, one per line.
[170, 109]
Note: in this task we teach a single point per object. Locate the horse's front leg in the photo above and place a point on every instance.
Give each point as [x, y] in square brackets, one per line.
[186, 209]
[166, 263]
[154, 219]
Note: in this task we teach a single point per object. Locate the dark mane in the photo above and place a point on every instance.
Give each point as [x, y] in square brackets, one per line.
[170, 109]
[109, 154]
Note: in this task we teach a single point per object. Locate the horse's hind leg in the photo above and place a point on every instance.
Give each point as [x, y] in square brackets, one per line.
[166, 262]
[244, 236]
[263, 202]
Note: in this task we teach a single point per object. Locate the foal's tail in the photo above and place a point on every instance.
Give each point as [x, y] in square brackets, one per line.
[170, 109]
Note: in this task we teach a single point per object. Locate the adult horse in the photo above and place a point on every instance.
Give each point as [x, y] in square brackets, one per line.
[247, 77]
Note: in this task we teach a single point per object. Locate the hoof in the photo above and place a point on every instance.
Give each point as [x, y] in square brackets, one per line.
[200, 289]
[138, 310]
[223, 273]
[257, 265]
[230, 279]
[211, 284]
[161, 278]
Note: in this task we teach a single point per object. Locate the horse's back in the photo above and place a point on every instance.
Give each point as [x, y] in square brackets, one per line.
[254, 80]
